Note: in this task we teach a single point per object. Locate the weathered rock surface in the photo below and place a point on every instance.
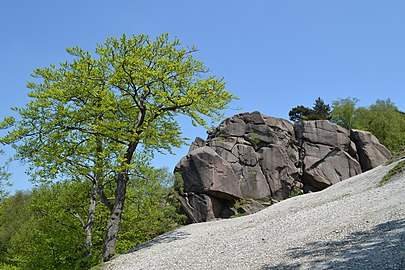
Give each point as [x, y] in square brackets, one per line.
[206, 172]
[200, 207]
[371, 152]
[336, 166]
[263, 159]
[326, 149]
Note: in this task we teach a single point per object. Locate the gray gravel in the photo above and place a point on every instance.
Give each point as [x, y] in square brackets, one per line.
[354, 224]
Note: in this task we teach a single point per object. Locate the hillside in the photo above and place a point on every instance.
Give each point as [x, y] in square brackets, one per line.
[354, 224]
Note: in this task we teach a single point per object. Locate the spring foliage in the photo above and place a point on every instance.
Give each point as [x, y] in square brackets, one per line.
[383, 119]
[43, 229]
[101, 118]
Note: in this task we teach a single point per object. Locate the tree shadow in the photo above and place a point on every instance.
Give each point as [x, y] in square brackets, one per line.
[164, 238]
[382, 247]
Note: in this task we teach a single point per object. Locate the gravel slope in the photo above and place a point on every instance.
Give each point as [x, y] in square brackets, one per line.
[354, 224]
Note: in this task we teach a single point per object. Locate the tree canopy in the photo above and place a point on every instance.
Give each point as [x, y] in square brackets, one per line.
[43, 228]
[383, 119]
[100, 118]
[344, 112]
[320, 111]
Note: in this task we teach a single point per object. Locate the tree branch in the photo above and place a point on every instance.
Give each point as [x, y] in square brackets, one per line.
[104, 199]
[76, 215]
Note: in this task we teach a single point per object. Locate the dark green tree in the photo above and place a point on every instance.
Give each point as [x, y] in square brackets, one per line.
[320, 111]
[299, 113]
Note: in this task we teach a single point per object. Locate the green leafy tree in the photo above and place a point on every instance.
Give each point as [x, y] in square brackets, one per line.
[4, 179]
[51, 236]
[152, 209]
[344, 112]
[385, 121]
[101, 117]
[43, 229]
[14, 213]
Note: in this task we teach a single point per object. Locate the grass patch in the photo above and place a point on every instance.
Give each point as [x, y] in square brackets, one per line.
[400, 167]
[98, 266]
[396, 156]
[247, 206]
[296, 191]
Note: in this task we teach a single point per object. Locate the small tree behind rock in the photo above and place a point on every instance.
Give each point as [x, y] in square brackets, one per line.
[320, 111]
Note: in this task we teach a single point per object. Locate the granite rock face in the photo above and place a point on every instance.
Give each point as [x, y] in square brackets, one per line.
[260, 159]
[329, 156]
[206, 172]
[371, 152]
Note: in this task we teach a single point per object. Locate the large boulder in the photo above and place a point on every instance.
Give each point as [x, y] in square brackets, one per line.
[249, 156]
[256, 159]
[371, 152]
[323, 132]
[206, 172]
[336, 166]
[279, 169]
[245, 141]
[327, 153]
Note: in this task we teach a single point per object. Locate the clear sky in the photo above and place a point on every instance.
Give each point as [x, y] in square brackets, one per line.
[274, 55]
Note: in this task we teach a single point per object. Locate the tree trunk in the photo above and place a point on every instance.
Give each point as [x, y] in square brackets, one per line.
[110, 239]
[88, 229]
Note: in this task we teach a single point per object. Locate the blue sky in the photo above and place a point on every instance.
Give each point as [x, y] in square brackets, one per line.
[274, 55]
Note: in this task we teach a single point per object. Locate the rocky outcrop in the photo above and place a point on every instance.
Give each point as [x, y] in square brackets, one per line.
[329, 156]
[246, 141]
[371, 152]
[203, 207]
[206, 172]
[258, 159]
